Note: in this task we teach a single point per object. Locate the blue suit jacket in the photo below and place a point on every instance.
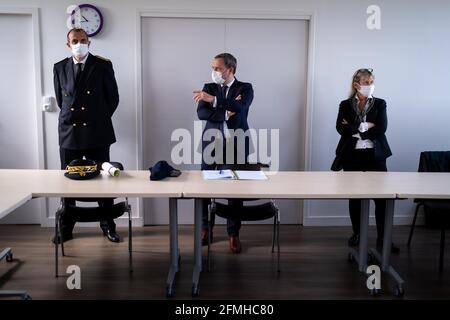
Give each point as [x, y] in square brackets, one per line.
[215, 117]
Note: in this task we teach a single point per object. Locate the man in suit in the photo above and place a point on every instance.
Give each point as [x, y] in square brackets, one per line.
[87, 94]
[224, 105]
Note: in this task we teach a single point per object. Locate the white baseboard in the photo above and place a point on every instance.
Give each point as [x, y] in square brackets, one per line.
[318, 221]
[327, 221]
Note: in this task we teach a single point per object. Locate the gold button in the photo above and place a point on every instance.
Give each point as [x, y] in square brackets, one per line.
[84, 124]
[72, 109]
[83, 108]
[74, 124]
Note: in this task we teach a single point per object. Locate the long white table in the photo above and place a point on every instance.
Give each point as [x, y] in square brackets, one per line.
[18, 186]
[27, 184]
[11, 200]
[301, 185]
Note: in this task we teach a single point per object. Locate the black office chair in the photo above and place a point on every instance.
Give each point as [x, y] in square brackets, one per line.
[92, 214]
[237, 209]
[437, 210]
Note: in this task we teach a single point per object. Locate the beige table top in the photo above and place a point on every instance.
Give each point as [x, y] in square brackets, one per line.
[11, 200]
[18, 186]
[420, 185]
[294, 185]
[52, 183]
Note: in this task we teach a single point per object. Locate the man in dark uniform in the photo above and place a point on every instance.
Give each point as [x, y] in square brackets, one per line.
[87, 94]
[224, 105]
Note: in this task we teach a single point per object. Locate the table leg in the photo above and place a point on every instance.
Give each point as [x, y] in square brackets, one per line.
[174, 250]
[197, 246]
[364, 235]
[387, 241]
[384, 259]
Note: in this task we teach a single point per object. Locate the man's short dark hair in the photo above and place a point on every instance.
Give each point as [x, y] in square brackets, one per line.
[229, 60]
[76, 30]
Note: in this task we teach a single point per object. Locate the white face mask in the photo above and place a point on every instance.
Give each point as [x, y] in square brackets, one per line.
[367, 91]
[80, 50]
[217, 77]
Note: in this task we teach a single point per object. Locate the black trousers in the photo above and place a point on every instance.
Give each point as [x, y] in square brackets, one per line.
[364, 160]
[233, 225]
[98, 154]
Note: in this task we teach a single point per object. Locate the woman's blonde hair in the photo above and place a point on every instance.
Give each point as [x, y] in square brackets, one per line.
[357, 76]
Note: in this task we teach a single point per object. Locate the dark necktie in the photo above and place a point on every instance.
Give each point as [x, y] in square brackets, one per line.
[224, 91]
[78, 70]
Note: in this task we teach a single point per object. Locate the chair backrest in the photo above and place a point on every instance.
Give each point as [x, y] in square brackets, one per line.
[434, 161]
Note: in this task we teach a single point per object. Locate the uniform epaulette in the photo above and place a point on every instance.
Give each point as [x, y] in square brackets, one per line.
[103, 58]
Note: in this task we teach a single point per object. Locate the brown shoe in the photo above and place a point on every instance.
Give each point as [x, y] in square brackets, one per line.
[235, 244]
[205, 234]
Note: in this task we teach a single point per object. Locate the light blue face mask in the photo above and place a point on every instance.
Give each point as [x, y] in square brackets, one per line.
[80, 50]
[367, 91]
[217, 77]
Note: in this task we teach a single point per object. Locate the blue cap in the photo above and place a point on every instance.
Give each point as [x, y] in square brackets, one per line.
[163, 170]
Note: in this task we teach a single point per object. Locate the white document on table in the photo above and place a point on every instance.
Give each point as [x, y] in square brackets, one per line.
[250, 175]
[218, 175]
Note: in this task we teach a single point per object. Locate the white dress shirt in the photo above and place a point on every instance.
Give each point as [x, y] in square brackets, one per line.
[225, 127]
[75, 61]
[363, 127]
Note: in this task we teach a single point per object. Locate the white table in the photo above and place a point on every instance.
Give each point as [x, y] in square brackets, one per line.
[418, 185]
[26, 184]
[11, 200]
[18, 186]
[301, 185]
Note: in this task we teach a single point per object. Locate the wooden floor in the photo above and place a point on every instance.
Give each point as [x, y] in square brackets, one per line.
[313, 265]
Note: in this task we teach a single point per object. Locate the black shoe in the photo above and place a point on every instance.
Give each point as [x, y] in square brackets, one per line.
[66, 237]
[353, 241]
[111, 235]
[394, 248]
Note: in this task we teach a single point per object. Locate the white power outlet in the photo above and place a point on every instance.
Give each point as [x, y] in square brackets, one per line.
[47, 103]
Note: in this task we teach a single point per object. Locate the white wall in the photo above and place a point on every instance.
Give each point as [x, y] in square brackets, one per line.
[409, 56]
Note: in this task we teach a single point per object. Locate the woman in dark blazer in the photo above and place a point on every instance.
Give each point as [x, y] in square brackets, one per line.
[362, 123]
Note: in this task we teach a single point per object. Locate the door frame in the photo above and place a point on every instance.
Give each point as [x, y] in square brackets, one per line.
[38, 113]
[309, 17]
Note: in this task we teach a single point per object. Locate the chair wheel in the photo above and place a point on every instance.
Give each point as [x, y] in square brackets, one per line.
[350, 257]
[195, 291]
[169, 292]
[9, 257]
[26, 296]
[399, 291]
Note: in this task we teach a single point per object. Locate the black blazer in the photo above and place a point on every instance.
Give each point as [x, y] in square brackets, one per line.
[86, 110]
[215, 117]
[377, 115]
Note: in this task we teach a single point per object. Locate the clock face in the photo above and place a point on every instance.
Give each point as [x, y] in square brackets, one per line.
[91, 19]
